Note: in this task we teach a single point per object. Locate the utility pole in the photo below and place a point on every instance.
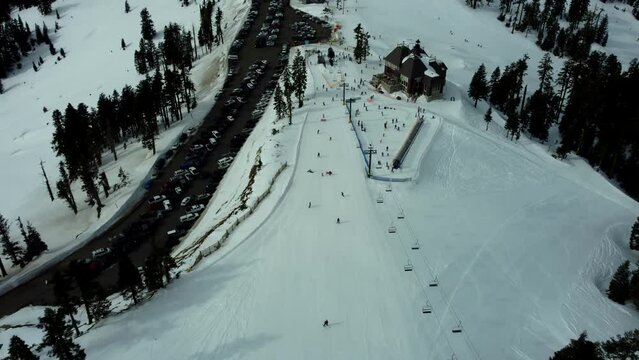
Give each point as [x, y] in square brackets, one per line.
[370, 151]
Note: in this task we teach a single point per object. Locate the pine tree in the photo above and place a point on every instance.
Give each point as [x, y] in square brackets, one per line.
[488, 117]
[63, 53]
[18, 350]
[52, 49]
[539, 115]
[122, 44]
[57, 336]
[331, 56]
[148, 30]
[35, 245]
[494, 78]
[634, 236]
[358, 52]
[278, 102]
[57, 14]
[45, 6]
[63, 186]
[478, 88]
[152, 273]
[545, 72]
[35, 68]
[1, 87]
[100, 304]
[634, 288]
[64, 299]
[219, 37]
[619, 288]
[299, 78]
[579, 349]
[623, 346]
[129, 280]
[127, 7]
[10, 248]
[512, 124]
[602, 31]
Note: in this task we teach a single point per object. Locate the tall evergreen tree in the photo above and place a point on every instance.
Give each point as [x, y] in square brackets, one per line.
[219, 36]
[358, 52]
[152, 273]
[167, 263]
[478, 88]
[539, 115]
[58, 337]
[299, 78]
[331, 56]
[35, 245]
[10, 248]
[634, 235]
[18, 350]
[494, 78]
[634, 288]
[63, 186]
[623, 347]
[64, 299]
[488, 117]
[100, 304]
[545, 72]
[129, 279]
[619, 288]
[146, 23]
[280, 105]
[205, 34]
[45, 6]
[127, 7]
[579, 349]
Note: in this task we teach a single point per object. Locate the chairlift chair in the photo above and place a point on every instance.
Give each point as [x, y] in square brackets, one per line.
[434, 282]
[408, 267]
[427, 309]
[380, 199]
[401, 214]
[457, 329]
[415, 246]
[389, 188]
[392, 229]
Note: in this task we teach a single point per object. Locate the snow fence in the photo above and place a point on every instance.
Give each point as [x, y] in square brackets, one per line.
[218, 244]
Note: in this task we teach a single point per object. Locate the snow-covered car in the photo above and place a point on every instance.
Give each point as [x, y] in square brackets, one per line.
[156, 199]
[195, 209]
[197, 147]
[224, 162]
[188, 217]
[178, 190]
[203, 196]
[185, 201]
[194, 171]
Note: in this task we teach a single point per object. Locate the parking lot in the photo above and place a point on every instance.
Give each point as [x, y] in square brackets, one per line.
[188, 176]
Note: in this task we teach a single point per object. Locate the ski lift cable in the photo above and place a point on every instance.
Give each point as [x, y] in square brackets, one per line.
[440, 327]
[446, 298]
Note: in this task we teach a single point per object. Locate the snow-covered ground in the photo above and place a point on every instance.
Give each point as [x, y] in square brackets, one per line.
[521, 245]
[90, 33]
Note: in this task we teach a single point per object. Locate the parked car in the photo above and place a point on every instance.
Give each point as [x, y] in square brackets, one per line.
[188, 217]
[185, 201]
[225, 162]
[156, 199]
[195, 209]
[101, 253]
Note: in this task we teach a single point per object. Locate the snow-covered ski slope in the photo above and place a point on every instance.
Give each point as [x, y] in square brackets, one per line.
[522, 245]
[90, 33]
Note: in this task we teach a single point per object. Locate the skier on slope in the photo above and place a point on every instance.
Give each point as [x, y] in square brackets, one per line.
[325, 323]
[338, 220]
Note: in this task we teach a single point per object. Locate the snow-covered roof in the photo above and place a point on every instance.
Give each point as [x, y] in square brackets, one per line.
[431, 73]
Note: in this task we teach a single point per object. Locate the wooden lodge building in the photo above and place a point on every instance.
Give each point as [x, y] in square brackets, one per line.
[413, 72]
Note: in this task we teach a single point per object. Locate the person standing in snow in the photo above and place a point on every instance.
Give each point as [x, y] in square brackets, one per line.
[309, 204]
[318, 154]
[342, 194]
[338, 220]
[325, 323]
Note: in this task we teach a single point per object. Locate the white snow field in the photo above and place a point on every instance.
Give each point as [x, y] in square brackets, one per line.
[521, 246]
[90, 33]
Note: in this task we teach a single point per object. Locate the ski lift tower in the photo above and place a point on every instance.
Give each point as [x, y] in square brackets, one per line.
[370, 151]
[349, 106]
